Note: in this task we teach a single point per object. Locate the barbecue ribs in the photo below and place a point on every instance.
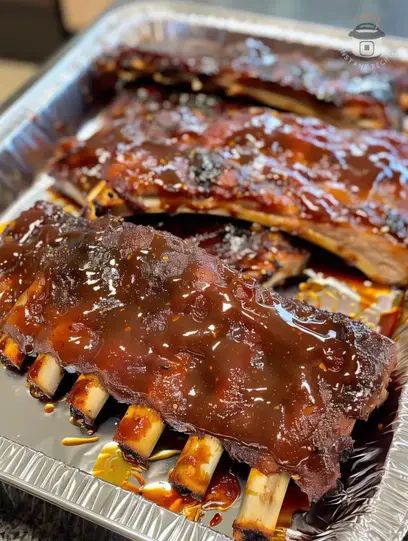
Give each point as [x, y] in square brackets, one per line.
[345, 190]
[163, 323]
[258, 252]
[306, 80]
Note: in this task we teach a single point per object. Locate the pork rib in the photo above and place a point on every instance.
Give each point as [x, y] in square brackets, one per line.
[24, 244]
[306, 80]
[345, 190]
[162, 322]
[264, 254]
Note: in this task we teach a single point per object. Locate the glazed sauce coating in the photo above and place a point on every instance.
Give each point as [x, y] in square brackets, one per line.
[148, 114]
[343, 189]
[258, 252]
[24, 243]
[282, 164]
[166, 324]
[306, 80]
[278, 162]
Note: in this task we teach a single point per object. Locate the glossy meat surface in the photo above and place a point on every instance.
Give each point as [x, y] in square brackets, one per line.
[148, 115]
[24, 244]
[267, 256]
[345, 190]
[164, 323]
[304, 79]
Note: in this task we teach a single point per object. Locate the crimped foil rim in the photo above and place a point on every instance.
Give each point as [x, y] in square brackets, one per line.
[110, 506]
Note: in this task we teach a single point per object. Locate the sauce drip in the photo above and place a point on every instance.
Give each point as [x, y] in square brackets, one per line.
[111, 467]
[126, 300]
[49, 408]
[223, 491]
[70, 442]
[217, 519]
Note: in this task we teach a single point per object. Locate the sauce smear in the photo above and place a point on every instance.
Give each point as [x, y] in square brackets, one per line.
[70, 442]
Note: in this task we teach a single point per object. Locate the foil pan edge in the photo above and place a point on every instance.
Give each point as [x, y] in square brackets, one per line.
[107, 505]
[386, 513]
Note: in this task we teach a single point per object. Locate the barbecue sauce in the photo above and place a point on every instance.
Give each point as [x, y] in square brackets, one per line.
[230, 156]
[217, 519]
[308, 80]
[258, 252]
[72, 442]
[223, 491]
[23, 244]
[160, 321]
[49, 408]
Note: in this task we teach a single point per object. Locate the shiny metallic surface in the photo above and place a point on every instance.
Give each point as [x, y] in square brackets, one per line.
[371, 501]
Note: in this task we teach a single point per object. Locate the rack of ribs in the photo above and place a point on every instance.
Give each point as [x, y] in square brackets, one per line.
[344, 190]
[164, 324]
[266, 255]
[24, 244]
[306, 80]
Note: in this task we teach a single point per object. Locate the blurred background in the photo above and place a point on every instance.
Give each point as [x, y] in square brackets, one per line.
[31, 30]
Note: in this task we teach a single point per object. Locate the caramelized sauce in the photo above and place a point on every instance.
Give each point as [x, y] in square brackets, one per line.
[257, 252]
[24, 243]
[126, 301]
[71, 442]
[313, 80]
[278, 164]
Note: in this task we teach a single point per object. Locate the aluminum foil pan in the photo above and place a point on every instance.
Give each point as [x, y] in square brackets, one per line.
[370, 502]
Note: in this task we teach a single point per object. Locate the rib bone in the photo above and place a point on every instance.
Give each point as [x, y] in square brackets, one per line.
[138, 433]
[44, 376]
[10, 353]
[86, 399]
[196, 465]
[261, 505]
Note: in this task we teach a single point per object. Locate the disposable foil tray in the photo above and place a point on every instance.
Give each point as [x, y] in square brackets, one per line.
[372, 501]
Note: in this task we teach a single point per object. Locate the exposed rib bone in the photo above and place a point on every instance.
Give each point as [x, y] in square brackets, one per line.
[196, 465]
[138, 433]
[44, 377]
[86, 399]
[261, 505]
[10, 353]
